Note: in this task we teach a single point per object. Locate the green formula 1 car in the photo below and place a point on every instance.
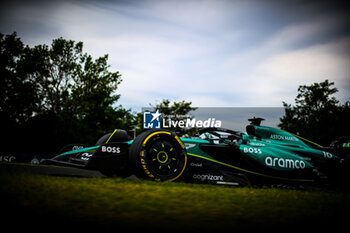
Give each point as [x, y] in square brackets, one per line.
[262, 155]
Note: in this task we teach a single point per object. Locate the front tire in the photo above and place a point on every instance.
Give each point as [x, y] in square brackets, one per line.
[159, 155]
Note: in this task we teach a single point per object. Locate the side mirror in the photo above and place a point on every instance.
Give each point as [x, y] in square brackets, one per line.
[251, 131]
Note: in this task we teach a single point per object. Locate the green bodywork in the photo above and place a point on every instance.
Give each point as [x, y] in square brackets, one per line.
[272, 148]
[83, 150]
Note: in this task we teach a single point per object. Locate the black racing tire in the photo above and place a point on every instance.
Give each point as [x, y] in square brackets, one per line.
[158, 155]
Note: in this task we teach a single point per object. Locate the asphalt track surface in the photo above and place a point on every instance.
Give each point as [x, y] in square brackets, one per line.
[48, 170]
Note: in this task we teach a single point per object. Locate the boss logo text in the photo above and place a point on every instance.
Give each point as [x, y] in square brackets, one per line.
[110, 149]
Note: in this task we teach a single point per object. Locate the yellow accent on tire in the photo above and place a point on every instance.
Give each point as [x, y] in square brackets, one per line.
[166, 157]
[142, 154]
[183, 169]
[180, 142]
[152, 134]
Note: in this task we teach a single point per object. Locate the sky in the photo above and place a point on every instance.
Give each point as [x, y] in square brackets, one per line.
[214, 53]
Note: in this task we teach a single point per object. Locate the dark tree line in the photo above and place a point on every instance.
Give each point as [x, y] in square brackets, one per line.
[317, 115]
[54, 95]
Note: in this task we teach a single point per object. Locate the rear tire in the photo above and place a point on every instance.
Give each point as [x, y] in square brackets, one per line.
[158, 155]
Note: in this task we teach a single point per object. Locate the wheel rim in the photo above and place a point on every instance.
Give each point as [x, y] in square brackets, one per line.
[163, 158]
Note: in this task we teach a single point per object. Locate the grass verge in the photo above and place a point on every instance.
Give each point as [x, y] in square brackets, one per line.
[115, 203]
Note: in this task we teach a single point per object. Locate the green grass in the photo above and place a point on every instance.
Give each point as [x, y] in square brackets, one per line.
[113, 202]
